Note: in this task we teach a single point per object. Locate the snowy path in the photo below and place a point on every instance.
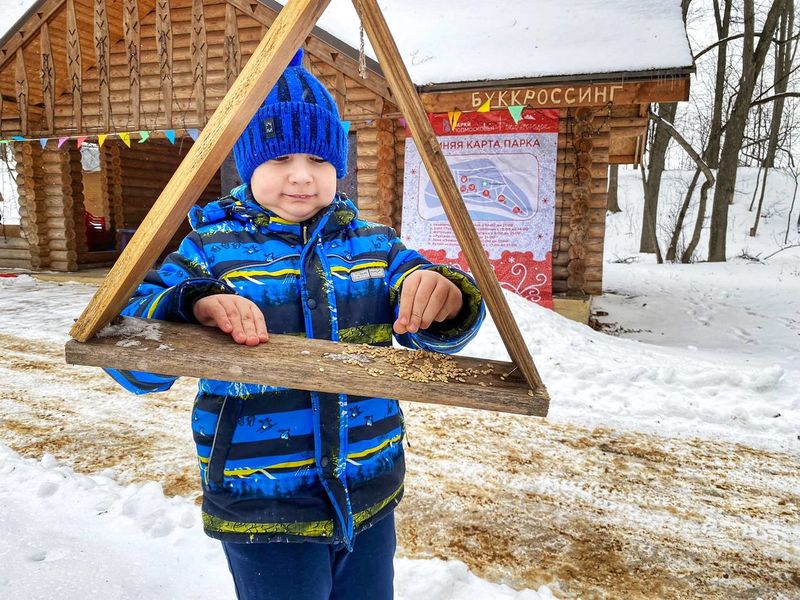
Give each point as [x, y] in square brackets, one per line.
[590, 511]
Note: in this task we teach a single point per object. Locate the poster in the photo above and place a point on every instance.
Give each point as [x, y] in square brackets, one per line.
[506, 173]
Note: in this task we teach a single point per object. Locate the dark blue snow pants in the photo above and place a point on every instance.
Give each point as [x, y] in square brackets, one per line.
[310, 571]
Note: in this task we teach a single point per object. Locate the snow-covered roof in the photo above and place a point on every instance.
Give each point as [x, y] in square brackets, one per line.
[449, 41]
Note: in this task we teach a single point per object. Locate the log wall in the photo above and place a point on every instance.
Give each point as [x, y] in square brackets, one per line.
[144, 170]
[14, 250]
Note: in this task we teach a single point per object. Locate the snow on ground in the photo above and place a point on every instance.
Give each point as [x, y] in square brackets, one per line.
[127, 542]
[667, 466]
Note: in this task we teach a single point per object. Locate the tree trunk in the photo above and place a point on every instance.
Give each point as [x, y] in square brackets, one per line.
[711, 155]
[655, 168]
[783, 66]
[752, 62]
[613, 185]
[676, 233]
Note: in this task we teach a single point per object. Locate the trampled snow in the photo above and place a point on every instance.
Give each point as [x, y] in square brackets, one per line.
[702, 350]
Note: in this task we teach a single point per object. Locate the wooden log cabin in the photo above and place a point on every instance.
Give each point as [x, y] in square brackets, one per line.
[104, 67]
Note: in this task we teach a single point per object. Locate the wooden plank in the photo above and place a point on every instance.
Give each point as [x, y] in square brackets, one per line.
[74, 70]
[196, 351]
[409, 103]
[199, 51]
[164, 46]
[21, 88]
[102, 59]
[260, 73]
[48, 77]
[130, 22]
[232, 54]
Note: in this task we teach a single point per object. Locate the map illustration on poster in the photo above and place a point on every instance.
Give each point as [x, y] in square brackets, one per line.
[505, 172]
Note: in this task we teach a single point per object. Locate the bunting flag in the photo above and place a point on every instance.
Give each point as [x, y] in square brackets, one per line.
[43, 142]
[82, 139]
[402, 122]
[101, 139]
[516, 113]
[61, 141]
[486, 106]
[144, 136]
[453, 117]
[346, 127]
[170, 133]
[194, 134]
[18, 138]
[4, 141]
[125, 136]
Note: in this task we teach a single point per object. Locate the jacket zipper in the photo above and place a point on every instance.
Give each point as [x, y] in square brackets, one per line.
[214, 443]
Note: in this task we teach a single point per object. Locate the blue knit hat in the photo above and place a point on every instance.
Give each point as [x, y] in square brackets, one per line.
[298, 116]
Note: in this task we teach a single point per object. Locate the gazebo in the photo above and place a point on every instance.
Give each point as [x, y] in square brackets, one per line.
[140, 78]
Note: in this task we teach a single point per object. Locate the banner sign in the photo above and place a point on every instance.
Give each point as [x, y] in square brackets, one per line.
[506, 173]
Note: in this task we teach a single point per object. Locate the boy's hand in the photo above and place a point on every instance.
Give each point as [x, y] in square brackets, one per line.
[426, 296]
[235, 315]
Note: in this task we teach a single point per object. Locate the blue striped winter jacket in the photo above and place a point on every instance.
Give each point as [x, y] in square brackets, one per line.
[279, 463]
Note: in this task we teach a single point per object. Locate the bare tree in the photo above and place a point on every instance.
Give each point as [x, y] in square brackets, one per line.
[753, 57]
[613, 189]
[783, 65]
[655, 169]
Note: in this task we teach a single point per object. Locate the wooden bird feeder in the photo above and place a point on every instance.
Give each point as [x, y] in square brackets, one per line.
[197, 351]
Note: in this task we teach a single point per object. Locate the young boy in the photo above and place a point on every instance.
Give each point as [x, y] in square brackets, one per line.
[285, 254]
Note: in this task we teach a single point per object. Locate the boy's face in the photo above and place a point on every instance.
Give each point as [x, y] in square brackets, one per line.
[295, 187]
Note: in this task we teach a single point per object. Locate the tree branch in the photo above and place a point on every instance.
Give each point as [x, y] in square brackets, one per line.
[776, 97]
[737, 36]
[685, 145]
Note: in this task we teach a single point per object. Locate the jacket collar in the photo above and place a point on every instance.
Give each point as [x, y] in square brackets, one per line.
[240, 205]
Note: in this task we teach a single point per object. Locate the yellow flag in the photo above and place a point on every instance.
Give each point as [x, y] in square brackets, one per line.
[453, 117]
[101, 138]
[486, 106]
[125, 137]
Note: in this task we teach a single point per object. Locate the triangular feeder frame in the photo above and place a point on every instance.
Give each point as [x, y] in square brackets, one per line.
[194, 350]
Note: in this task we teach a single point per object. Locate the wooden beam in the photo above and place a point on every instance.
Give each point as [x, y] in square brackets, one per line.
[164, 45]
[74, 69]
[199, 50]
[103, 60]
[564, 96]
[21, 88]
[238, 106]
[130, 22]
[340, 92]
[431, 154]
[232, 54]
[47, 74]
[28, 30]
[307, 364]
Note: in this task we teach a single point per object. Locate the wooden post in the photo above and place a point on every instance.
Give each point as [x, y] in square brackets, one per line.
[232, 54]
[130, 21]
[164, 45]
[265, 66]
[199, 50]
[58, 203]
[48, 77]
[33, 221]
[409, 103]
[102, 55]
[21, 88]
[74, 66]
